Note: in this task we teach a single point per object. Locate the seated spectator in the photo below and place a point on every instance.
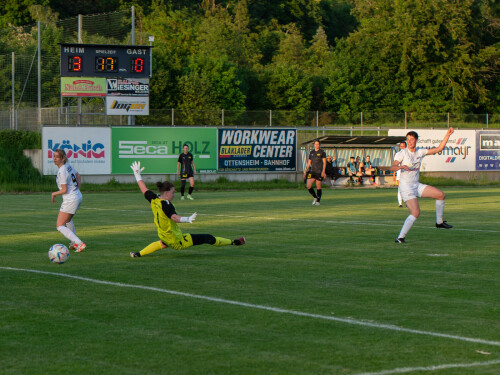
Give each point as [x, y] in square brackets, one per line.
[358, 160]
[331, 169]
[369, 169]
[351, 169]
[360, 172]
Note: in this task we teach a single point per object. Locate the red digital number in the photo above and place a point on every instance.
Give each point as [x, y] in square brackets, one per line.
[137, 65]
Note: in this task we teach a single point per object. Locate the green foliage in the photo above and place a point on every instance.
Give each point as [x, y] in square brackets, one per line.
[14, 166]
[330, 55]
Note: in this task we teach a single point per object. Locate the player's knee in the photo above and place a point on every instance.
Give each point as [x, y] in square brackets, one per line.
[441, 196]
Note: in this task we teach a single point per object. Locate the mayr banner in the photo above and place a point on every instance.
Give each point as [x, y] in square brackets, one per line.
[159, 148]
[88, 148]
[257, 150]
[459, 155]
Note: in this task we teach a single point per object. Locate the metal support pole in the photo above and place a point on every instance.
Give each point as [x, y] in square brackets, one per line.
[131, 118]
[486, 121]
[270, 117]
[173, 117]
[13, 116]
[79, 100]
[39, 74]
[317, 125]
[222, 117]
[361, 123]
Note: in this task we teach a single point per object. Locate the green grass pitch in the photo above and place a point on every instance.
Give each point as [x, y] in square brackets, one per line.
[316, 290]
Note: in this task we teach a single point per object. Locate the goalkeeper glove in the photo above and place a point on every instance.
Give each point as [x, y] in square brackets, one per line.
[136, 167]
[189, 219]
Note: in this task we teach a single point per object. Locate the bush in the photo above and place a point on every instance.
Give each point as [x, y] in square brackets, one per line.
[14, 166]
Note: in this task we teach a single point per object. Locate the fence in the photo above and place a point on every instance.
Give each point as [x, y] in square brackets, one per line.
[94, 114]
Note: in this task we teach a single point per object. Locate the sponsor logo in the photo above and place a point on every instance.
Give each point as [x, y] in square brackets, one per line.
[82, 85]
[489, 142]
[132, 149]
[128, 106]
[125, 85]
[86, 150]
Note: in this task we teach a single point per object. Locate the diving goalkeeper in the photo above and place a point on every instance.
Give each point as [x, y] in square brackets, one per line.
[166, 220]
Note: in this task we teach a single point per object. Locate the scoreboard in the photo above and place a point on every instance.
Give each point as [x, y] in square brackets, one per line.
[114, 61]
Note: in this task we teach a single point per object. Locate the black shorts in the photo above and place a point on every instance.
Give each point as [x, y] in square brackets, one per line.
[186, 175]
[316, 176]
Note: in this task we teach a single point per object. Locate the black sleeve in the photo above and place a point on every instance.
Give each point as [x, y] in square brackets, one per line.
[168, 208]
[149, 195]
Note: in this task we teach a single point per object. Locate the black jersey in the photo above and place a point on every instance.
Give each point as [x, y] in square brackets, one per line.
[186, 161]
[316, 158]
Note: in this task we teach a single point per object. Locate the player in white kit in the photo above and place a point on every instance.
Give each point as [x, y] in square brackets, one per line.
[402, 145]
[409, 161]
[68, 182]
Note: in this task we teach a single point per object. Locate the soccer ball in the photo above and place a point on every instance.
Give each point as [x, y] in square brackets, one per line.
[58, 253]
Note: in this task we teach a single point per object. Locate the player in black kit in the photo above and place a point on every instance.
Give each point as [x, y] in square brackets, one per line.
[188, 170]
[315, 171]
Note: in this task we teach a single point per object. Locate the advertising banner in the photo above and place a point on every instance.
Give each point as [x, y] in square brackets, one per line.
[159, 148]
[88, 149]
[83, 86]
[488, 150]
[128, 87]
[127, 105]
[262, 150]
[459, 155]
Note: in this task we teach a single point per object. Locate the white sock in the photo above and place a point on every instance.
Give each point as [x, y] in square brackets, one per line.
[407, 226]
[66, 232]
[439, 211]
[400, 198]
[71, 226]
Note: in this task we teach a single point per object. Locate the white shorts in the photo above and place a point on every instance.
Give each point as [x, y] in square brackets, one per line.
[411, 190]
[71, 203]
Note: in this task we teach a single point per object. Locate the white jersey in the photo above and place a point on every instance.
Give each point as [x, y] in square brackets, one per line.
[66, 175]
[413, 160]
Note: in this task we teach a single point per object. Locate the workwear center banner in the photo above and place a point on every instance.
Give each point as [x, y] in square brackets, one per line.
[257, 150]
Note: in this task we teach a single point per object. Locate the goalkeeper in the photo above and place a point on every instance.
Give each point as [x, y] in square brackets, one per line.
[166, 220]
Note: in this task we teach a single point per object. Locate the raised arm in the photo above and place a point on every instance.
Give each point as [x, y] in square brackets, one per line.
[136, 168]
[442, 145]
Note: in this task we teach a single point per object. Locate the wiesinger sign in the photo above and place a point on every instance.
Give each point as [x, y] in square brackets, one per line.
[159, 148]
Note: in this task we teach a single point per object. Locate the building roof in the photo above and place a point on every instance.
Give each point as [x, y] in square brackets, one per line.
[357, 140]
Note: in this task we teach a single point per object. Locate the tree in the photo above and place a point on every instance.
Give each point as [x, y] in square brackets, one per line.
[412, 55]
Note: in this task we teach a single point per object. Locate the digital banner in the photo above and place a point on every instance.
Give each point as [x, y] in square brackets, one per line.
[83, 86]
[488, 150]
[257, 150]
[88, 149]
[158, 149]
[459, 155]
[127, 105]
[128, 87]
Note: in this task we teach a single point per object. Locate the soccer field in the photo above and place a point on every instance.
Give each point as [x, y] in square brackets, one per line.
[316, 290]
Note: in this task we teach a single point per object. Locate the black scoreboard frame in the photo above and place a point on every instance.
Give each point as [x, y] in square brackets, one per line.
[103, 60]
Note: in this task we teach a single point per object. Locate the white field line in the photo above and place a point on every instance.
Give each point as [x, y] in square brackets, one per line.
[405, 370]
[389, 327]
